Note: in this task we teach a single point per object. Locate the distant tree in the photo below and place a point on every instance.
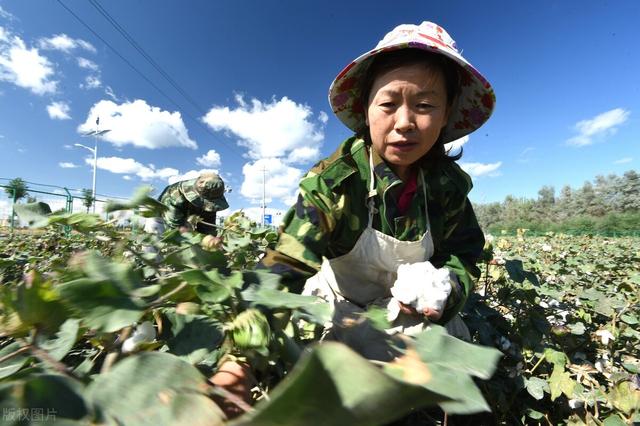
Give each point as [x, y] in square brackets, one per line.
[17, 189]
[31, 199]
[87, 198]
[630, 188]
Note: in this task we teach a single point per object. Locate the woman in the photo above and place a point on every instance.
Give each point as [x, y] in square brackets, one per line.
[390, 195]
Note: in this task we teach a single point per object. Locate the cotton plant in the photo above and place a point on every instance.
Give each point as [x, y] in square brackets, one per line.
[420, 285]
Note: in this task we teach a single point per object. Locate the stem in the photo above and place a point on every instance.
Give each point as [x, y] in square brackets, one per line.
[537, 364]
[15, 353]
[164, 297]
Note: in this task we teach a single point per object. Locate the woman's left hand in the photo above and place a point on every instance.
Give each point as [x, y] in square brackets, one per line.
[430, 313]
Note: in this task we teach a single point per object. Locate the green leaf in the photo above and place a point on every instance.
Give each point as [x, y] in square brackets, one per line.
[614, 420]
[150, 207]
[625, 396]
[206, 289]
[14, 364]
[378, 317]
[577, 328]
[452, 364]
[57, 396]
[102, 305]
[154, 388]
[64, 341]
[333, 382]
[318, 310]
[537, 387]
[536, 415]
[38, 305]
[194, 337]
[560, 382]
[33, 213]
[630, 319]
[555, 357]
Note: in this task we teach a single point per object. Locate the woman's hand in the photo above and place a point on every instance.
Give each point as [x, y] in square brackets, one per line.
[235, 378]
[430, 313]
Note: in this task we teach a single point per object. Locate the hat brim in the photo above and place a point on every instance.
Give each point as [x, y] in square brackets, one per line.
[472, 108]
[188, 189]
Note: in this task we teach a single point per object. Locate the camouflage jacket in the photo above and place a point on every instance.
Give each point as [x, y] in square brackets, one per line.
[331, 213]
[180, 208]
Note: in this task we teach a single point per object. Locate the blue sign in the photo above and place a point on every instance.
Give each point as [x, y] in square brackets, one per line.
[267, 219]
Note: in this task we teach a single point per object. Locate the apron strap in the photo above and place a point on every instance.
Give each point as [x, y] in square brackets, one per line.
[372, 190]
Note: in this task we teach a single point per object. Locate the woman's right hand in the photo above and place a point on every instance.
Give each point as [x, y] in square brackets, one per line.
[430, 313]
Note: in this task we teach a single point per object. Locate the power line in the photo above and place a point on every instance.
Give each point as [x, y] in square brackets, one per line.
[144, 76]
[144, 54]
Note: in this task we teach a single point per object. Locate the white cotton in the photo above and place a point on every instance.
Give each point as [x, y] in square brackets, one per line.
[576, 403]
[144, 333]
[605, 336]
[422, 286]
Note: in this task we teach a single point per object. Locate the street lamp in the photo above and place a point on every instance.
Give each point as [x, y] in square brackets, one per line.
[95, 133]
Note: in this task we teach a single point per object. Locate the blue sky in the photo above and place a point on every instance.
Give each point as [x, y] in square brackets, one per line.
[249, 83]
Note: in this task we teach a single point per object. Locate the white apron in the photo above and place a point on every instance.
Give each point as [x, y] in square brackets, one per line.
[363, 277]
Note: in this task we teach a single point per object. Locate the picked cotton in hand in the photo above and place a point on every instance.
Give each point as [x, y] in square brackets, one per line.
[420, 285]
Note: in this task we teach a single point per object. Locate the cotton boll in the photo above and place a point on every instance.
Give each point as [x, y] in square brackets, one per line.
[576, 403]
[422, 286]
[393, 309]
[145, 332]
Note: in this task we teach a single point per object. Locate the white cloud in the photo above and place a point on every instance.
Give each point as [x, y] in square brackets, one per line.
[87, 64]
[138, 124]
[67, 165]
[23, 66]
[281, 181]
[129, 166]
[323, 117]
[65, 43]
[304, 154]
[601, 125]
[109, 92]
[91, 82]
[481, 169]
[269, 129]
[191, 174]
[623, 160]
[210, 159]
[58, 111]
[6, 15]
[454, 146]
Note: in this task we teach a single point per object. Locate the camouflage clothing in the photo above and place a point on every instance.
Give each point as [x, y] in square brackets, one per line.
[331, 213]
[202, 196]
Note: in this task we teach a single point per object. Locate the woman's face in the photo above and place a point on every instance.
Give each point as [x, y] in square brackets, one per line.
[407, 110]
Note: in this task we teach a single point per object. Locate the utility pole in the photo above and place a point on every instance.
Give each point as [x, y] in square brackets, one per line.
[96, 133]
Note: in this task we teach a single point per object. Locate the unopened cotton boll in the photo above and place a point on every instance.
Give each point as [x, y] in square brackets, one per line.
[144, 333]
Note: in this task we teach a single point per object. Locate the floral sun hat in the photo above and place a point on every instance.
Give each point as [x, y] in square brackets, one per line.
[472, 108]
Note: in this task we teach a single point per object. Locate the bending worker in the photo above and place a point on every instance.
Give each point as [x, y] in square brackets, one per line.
[203, 197]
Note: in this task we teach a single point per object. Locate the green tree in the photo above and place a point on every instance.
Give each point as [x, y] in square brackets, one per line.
[87, 198]
[17, 189]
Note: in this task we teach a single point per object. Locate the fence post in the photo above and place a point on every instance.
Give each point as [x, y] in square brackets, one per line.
[13, 205]
[69, 209]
